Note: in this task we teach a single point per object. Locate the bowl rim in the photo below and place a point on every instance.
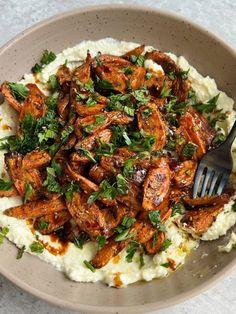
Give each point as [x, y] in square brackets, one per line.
[184, 296]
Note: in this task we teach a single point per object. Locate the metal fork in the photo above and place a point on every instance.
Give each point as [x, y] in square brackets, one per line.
[214, 168]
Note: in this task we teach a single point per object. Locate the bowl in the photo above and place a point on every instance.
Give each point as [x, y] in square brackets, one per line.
[168, 32]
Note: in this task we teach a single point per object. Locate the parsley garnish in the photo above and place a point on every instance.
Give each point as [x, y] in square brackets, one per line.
[171, 75]
[148, 76]
[124, 228]
[89, 266]
[132, 248]
[53, 82]
[92, 100]
[189, 149]
[47, 57]
[51, 183]
[20, 252]
[138, 60]
[88, 154]
[19, 91]
[146, 113]
[121, 184]
[127, 71]
[36, 247]
[209, 106]
[3, 232]
[80, 240]
[70, 189]
[101, 241]
[178, 208]
[141, 260]
[66, 133]
[128, 169]
[37, 68]
[165, 245]
[219, 139]
[42, 224]
[141, 96]
[28, 190]
[165, 90]
[103, 84]
[5, 185]
[234, 207]
[166, 265]
[154, 216]
[184, 74]
[105, 149]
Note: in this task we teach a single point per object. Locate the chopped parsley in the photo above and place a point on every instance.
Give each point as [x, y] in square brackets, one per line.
[178, 208]
[167, 243]
[138, 60]
[37, 68]
[5, 185]
[131, 250]
[72, 187]
[103, 84]
[184, 74]
[127, 71]
[219, 139]
[42, 224]
[80, 240]
[141, 96]
[19, 91]
[89, 266]
[88, 154]
[165, 90]
[20, 252]
[129, 168]
[47, 57]
[124, 228]
[101, 241]
[154, 216]
[53, 82]
[189, 149]
[146, 113]
[28, 190]
[171, 75]
[51, 182]
[234, 207]
[209, 106]
[36, 247]
[91, 101]
[3, 232]
[148, 76]
[166, 265]
[141, 260]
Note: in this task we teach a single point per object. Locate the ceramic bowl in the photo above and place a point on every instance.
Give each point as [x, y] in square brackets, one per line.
[211, 56]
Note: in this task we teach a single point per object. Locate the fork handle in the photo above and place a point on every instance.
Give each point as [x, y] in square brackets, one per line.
[231, 136]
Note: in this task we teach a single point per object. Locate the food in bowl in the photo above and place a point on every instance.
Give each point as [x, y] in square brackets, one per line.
[100, 145]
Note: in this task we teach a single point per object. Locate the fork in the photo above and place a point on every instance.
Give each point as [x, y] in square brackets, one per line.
[214, 168]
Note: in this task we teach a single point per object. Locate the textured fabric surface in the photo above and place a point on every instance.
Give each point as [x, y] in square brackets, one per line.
[217, 16]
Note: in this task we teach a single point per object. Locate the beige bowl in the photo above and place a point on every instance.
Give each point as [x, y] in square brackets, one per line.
[170, 33]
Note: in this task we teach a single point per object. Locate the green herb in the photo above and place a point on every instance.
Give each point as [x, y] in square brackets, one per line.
[89, 266]
[92, 100]
[128, 169]
[129, 111]
[178, 208]
[161, 227]
[127, 139]
[170, 146]
[80, 240]
[154, 216]
[127, 221]
[28, 190]
[100, 119]
[117, 138]
[20, 252]
[106, 190]
[189, 149]
[176, 107]
[165, 245]
[146, 113]
[171, 75]
[234, 207]
[141, 260]
[88, 154]
[51, 101]
[70, 189]
[37, 68]
[66, 133]
[51, 183]
[125, 235]
[99, 62]
[141, 142]
[47, 57]
[57, 168]
[165, 90]
[5, 185]
[132, 248]
[218, 117]
[166, 265]
[42, 224]
[19, 91]
[138, 60]
[3, 232]
[148, 76]
[36, 247]
[101, 240]
[104, 84]
[53, 82]
[184, 74]
[121, 184]
[105, 149]
[192, 95]
[127, 71]
[209, 106]
[219, 139]
[141, 96]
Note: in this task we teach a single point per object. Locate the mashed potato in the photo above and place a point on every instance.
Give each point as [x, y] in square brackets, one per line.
[118, 272]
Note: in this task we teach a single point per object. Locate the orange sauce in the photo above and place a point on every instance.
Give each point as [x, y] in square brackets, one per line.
[118, 282]
[116, 259]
